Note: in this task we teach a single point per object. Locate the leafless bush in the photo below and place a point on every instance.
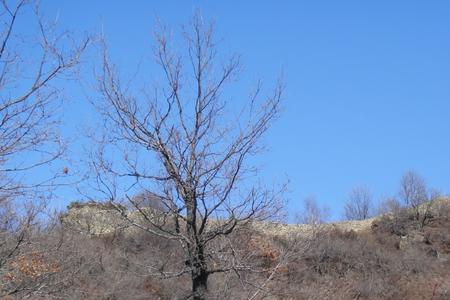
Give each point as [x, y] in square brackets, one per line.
[31, 266]
[349, 265]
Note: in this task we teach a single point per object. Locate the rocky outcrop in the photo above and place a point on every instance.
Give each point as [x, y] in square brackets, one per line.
[93, 218]
[279, 229]
[97, 218]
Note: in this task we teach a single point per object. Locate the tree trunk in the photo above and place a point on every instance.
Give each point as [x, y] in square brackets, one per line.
[199, 272]
[199, 283]
[197, 262]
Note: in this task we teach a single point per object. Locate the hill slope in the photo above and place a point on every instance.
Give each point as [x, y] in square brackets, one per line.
[393, 256]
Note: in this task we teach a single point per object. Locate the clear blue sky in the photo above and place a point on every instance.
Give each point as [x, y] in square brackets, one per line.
[368, 82]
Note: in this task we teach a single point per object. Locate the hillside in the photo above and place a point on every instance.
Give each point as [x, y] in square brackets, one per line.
[96, 254]
[386, 257]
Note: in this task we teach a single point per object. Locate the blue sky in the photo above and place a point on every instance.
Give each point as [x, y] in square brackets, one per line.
[367, 83]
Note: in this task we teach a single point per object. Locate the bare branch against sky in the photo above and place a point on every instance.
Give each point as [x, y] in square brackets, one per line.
[181, 141]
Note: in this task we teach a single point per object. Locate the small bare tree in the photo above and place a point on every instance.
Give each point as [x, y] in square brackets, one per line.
[359, 204]
[32, 61]
[180, 142]
[312, 213]
[389, 205]
[413, 189]
[415, 194]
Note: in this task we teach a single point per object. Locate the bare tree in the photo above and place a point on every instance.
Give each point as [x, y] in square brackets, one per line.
[389, 205]
[415, 193]
[312, 213]
[413, 189]
[30, 68]
[359, 204]
[182, 142]
[32, 61]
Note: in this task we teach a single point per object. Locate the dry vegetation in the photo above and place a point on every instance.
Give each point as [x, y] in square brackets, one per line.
[393, 258]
